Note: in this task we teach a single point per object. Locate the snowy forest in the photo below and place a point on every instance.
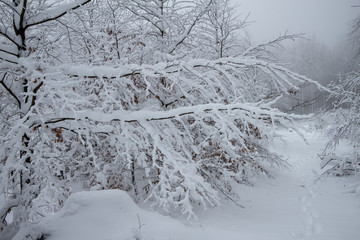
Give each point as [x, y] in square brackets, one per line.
[169, 110]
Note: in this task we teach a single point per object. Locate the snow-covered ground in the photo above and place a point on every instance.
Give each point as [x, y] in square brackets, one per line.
[291, 206]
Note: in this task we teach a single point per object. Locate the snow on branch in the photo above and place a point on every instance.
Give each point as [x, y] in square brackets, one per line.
[242, 109]
[10, 5]
[281, 75]
[54, 13]
[8, 50]
[10, 36]
[191, 151]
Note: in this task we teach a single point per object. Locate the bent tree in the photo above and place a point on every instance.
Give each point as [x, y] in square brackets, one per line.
[156, 118]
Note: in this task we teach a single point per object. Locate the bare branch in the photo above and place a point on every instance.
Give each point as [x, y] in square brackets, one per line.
[272, 43]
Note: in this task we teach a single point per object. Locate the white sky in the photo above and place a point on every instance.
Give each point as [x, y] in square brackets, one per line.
[326, 20]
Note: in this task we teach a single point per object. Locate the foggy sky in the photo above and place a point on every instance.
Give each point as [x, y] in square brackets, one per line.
[327, 21]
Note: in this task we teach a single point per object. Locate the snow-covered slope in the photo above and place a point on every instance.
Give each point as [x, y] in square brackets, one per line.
[112, 215]
[291, 206]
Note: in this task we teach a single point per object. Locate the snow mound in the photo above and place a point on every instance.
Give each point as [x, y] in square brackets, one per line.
[97, 215]
[112, 215]
[107, 215]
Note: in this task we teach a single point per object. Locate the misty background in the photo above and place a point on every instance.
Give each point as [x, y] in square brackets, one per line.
[323, 51]
[328, 21]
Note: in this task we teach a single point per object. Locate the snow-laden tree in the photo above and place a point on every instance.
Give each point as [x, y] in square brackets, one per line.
[19, 95]
[87, 113]
[347, 114]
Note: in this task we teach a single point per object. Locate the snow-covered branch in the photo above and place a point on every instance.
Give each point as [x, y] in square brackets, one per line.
[8, 89]
[256, 111]
[54, 13]
[282, 74]
[10, 36]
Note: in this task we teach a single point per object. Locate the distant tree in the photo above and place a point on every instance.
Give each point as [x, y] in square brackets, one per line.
[347, 114]
[316, 61]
